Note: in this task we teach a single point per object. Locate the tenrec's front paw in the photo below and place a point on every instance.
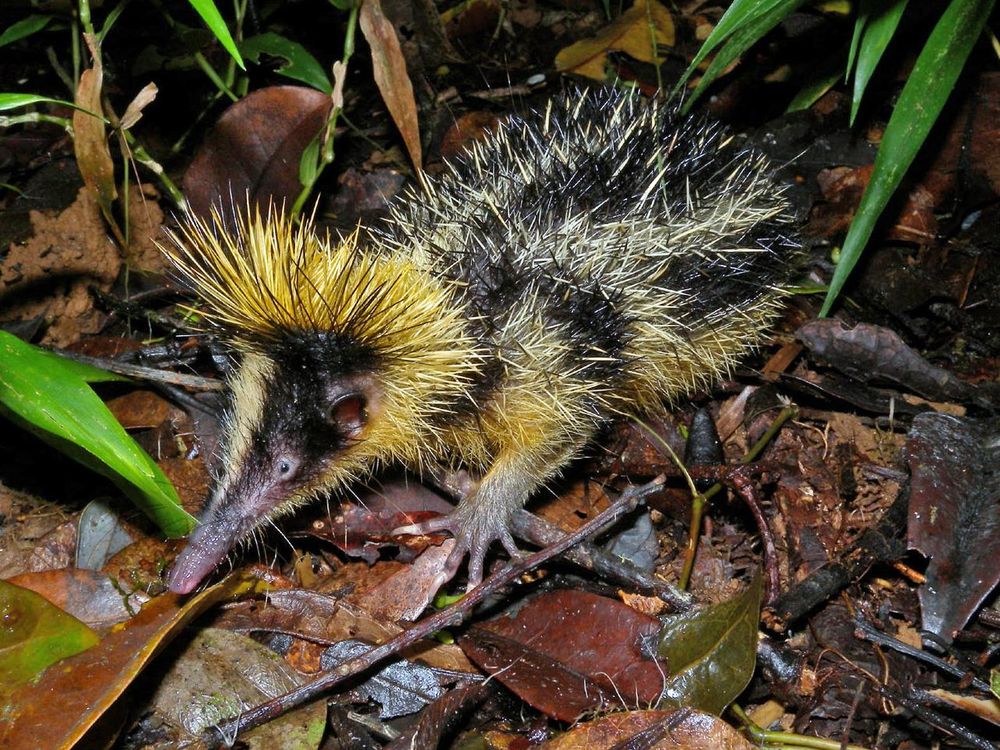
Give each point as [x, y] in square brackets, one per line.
[474, 534]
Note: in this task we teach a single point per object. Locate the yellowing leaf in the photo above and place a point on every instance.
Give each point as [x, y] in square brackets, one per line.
[639, 32]
[88, 684]
[35, 635]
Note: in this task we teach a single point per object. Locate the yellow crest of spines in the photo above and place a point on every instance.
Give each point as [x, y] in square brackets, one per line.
[265, 277]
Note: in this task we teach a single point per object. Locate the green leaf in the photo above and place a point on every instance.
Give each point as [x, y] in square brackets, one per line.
[299, 64]
[49, 396]
[15, 100]
[741, 25]
[35, 635]
[821, 82]
[765, 16]
[921, 101]
[879, 29]
[711, 652]
[24, 28]
[215, 23]
[309, 162]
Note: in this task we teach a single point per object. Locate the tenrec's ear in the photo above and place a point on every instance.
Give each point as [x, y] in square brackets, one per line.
[349, 414]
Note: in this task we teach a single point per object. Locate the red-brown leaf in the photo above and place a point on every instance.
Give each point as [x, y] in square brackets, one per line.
[254, 149]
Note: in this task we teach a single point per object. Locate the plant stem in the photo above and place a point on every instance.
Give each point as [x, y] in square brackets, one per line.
[326, 152]
[785, 740]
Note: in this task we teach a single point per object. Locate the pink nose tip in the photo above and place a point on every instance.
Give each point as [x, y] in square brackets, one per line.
[207, 547]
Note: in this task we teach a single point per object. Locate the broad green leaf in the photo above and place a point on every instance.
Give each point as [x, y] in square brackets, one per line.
[24, 28]
[49, 396]
[215, 23]
[882, 21]
[35, 634]
[711, 652]
[921, 101]
[995, 682]
[299, 64]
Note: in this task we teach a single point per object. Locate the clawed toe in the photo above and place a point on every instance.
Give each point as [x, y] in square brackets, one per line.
[472, 541]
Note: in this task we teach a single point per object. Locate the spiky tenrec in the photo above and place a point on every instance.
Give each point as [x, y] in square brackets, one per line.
[593, 259]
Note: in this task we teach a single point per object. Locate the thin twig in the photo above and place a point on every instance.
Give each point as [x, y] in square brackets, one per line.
[446, 618]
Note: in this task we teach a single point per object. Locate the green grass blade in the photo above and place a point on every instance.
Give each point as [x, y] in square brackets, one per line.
[739, 15]
[24, 28]
[883, 20]
[10, 101]
[822, 81]
[215, 23]
[859, 26]
[760, 19]
[919, 105]
[49, 396]
[299, 64]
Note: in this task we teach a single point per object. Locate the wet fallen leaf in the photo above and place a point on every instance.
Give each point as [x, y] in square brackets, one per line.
[868, 352]
[88, 595]
[35, 634]
[682, 729]
[255, 148]
[327, 619]
[87, 685]
[711, 652]
[219, 674]
[400, 687]
[639, 32]
[569, 652]
[954, 515]
[389, 69]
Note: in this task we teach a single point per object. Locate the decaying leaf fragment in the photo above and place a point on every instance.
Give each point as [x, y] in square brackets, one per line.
[954, 515]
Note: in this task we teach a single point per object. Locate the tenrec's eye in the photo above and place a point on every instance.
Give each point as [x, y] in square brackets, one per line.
[287, 467]
[349, 415]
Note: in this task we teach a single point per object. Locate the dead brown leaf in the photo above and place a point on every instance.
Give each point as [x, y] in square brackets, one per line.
[389, 69]
[639, 32]
[683, 729]
[93, 156]
[255, 148]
